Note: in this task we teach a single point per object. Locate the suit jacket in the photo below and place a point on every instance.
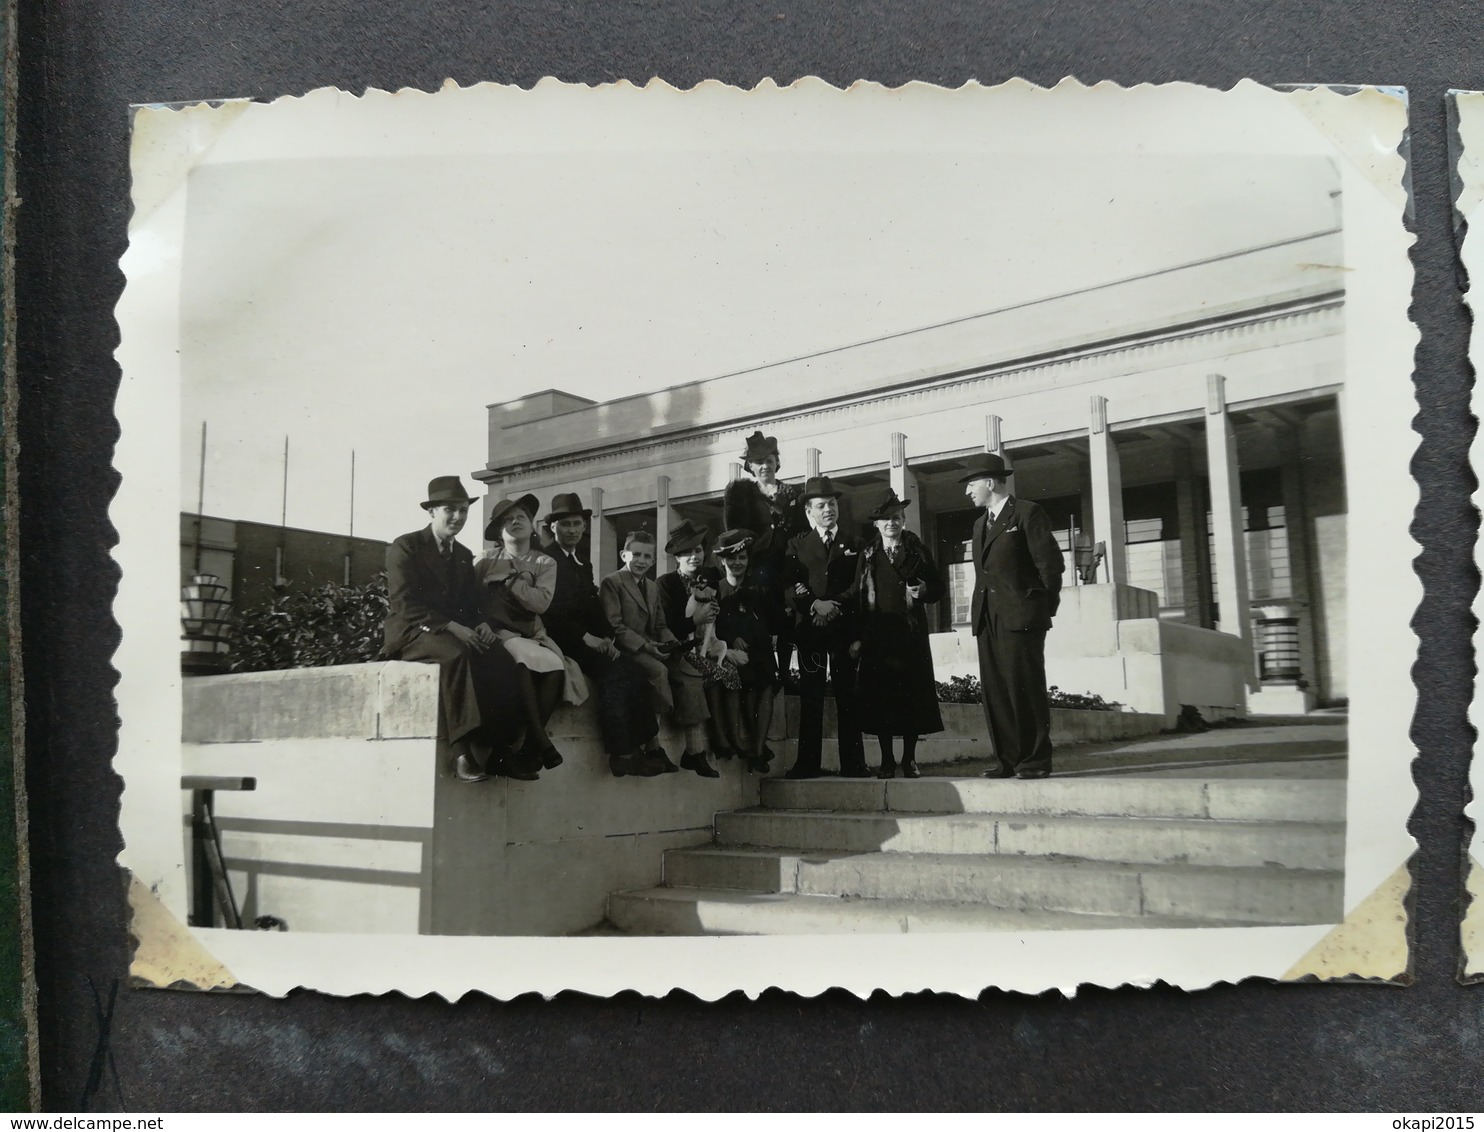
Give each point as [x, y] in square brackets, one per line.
[1017, 569]
[424, 592]
[575, 608]
[829, 577]
[634, 610]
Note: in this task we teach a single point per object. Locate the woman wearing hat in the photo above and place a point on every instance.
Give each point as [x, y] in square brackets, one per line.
[518, 586]
[760, 502]
[687, 616]
[436, 617]
[895, 580]
[741, 623]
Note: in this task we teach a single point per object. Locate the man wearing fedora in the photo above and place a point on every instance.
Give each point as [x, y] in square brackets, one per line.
[435, 617]
[1017, 587]
[820, 571]
[576, 622]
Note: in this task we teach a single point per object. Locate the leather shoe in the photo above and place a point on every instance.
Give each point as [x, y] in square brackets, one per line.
[1031, 774]
[636, 764]
[759, 764]
[909, 770]
[551, 758]
[466, 769]
[888, 770]
[861, 771]
[657, 755]
[797, 772]
[997, 772]
[699, 764]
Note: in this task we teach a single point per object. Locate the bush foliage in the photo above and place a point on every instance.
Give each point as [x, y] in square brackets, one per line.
[965, 690]
[330, 624]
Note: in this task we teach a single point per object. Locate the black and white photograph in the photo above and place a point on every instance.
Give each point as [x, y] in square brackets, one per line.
[630, 538]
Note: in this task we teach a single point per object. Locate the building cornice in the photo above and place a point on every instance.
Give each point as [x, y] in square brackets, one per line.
[975, 384]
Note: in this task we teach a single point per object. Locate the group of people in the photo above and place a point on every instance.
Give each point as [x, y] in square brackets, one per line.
[526, 628]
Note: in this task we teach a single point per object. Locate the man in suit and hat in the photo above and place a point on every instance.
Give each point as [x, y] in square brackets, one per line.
[576, 622]
[1017, 587]
[820, 570]
[435, 618]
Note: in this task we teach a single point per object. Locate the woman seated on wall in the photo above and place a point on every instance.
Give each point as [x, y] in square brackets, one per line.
[518, 585]
[897, 692]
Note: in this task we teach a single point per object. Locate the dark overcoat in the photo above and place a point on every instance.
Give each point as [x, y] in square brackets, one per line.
[426, 593]
[898, 688]
[1017, 569]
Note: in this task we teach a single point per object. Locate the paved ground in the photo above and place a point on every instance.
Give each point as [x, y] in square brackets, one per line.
[1312, 746]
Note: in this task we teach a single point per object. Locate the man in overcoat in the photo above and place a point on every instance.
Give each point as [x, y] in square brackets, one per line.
[435, 617]
[820, 567]
[1017, 588]
[576, 622]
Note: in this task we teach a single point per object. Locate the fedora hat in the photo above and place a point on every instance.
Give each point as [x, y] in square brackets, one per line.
[527, 503]
[729, 542]
[446, 489]
[888, 505]
[819, 486]
[760, 447]
[565, 505]
[686, 537]
[983, 464]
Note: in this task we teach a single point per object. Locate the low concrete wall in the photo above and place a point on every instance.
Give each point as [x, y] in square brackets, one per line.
[1109, 640]
[356, 826]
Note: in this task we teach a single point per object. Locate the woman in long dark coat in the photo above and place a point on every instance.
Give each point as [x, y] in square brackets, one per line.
[758, 501]
[896, 580]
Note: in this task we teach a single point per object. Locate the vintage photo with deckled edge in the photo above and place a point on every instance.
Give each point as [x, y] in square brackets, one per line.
[1169, 311]
[1467, 118]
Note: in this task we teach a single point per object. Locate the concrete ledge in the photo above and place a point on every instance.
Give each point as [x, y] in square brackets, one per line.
[358, 826]
[388, 700]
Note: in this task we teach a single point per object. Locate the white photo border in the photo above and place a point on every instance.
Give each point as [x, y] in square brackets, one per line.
[1363, 129]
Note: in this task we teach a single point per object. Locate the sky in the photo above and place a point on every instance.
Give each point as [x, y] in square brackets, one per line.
[378, 305]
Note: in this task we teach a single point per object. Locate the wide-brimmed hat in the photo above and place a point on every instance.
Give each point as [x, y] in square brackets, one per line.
[527, 503]
[565, 505]
[729, 542]
[819, 486]
[760, 447]
[983, 464]
[888, 505]
[686, 537]
[446, 489]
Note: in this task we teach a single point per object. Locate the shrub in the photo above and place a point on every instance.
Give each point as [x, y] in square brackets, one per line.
[965, 690]
[330, 624]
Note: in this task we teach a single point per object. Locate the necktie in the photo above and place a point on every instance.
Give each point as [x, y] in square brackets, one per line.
[445, 552]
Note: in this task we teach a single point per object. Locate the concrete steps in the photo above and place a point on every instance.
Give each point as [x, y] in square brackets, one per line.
[1158, 841]
[1267, 895]
[699, 911]
[1147, 796]
[943, 854]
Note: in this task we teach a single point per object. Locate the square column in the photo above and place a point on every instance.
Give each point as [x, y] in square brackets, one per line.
[904, 482]
[1233, 595]
[597, 536]
[1195, 551]
[1107, 493]
[664, 521]
[993, 441]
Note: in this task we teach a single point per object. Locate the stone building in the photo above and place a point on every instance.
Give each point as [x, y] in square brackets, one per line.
[1181, 427]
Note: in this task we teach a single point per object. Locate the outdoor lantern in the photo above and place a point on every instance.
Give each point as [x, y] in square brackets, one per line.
[205, 623]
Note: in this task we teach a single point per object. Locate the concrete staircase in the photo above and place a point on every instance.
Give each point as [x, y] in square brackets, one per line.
[938, 854]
